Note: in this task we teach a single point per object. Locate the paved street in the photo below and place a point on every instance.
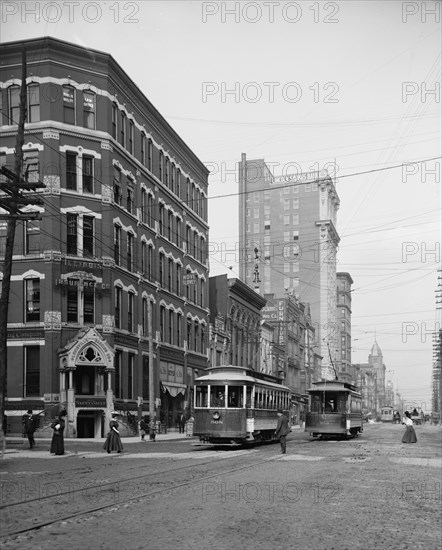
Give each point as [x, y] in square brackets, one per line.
[370, 492]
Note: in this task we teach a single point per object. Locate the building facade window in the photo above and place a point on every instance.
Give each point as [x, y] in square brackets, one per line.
[114, 120]
[131, 137]
[89, 108]
[32, 303]
[31, 362]
[171, 315]
[88, 174]
[143, 257]
[160, 166]
[118, 193]
[117, 244]
[14, 104]
[161, 269]
[130, 251]
[72, 234]
[143, 150]
[130, 197]
[123, 129]
[170, 274]
[80, 301]
[69, 104]
[33, 103]
[162, 322]
[149, 262]
[179, 324]
[71, 171]
[130, 311]
[118, 303]
[88, 236]
[32, 236]
[144, 316]
[149, 154]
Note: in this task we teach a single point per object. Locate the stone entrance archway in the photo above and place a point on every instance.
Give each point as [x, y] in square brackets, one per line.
[85, 366]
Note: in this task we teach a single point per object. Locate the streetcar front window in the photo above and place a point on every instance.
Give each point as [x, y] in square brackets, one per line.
[217, 396]
[235, 396]
[201, 396]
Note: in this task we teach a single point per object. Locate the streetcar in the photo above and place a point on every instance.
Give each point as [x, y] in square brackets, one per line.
[335, 410]
[237, 405]
[387, 414]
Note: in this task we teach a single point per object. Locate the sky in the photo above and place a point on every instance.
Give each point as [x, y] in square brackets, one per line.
[353, 87]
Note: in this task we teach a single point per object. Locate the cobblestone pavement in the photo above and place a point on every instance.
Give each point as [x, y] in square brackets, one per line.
[367, 493]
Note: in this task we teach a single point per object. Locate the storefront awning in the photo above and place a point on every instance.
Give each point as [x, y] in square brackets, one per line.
[173, 388]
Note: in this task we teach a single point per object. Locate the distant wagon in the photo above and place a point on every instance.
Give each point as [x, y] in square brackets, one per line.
[335, 409]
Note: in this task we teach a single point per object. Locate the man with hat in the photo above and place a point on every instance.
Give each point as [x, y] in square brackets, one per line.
[28, 422]
[282, 429]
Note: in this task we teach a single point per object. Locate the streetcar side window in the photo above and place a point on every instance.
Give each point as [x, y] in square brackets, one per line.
[248, 397]
[217, 396]
[201, 396]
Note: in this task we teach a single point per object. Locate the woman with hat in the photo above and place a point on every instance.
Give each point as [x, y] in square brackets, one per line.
[113, 440]
[57, 444]
[409, 435]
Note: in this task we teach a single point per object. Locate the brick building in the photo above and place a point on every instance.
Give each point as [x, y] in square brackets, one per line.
[124, 224]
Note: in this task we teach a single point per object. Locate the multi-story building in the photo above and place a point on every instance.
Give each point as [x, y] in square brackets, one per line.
[119, 252]
[371, 380]
[235, 323]
[343, 327]
[290, 221]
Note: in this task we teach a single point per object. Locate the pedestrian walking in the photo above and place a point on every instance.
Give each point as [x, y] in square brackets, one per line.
[29, 427]
[144, 426]
[57, 443]
[282, 429]
[152, 430]
[113, 439]
[409, 435]
[181, 423]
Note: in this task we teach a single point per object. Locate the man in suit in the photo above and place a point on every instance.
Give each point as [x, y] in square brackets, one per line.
[282, 429]
[29, 422]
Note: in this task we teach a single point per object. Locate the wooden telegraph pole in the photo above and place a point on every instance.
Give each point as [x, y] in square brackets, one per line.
[11, 199]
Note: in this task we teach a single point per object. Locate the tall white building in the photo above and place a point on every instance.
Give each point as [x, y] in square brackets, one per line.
[288, 242]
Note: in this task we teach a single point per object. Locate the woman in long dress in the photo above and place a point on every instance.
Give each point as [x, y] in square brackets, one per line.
[113, 440]
[409, 435]
[57, 444]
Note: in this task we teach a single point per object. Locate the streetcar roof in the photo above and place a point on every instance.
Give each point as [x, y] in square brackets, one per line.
[240, 378]
[333, 385]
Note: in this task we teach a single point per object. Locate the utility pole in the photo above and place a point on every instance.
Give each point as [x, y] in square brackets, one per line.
[11, 199]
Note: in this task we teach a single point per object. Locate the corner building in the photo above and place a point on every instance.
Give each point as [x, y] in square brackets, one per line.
[289, 222]
[124, 223]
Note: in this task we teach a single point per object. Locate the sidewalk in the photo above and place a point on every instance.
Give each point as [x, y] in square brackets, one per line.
[17, 440]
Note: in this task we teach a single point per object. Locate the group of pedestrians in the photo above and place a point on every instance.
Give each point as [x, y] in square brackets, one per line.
[147, 427]
[113, 439]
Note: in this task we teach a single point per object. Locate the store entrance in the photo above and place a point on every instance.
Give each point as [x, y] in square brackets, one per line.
[171, 409]
[89, 424]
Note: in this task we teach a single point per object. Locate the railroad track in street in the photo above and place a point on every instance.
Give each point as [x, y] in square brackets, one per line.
[20, 517]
